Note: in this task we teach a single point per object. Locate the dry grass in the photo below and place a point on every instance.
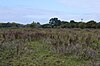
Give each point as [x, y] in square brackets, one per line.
[82, 44]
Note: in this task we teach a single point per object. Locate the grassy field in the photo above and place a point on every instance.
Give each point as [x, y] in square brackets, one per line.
[49, 47]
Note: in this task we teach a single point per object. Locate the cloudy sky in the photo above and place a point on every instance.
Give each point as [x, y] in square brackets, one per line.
[26, 11]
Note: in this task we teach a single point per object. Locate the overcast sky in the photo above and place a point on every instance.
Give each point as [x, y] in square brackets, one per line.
[26, 11]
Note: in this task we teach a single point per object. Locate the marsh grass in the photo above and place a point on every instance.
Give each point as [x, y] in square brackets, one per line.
[49, 47]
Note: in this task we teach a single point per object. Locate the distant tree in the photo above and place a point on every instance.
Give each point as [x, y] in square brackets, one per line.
[46, 26]
[11, 25]
[73, 24]
[82, 25]
[38, 25]
[8, 24]
[5, 25]
[91, 24]
[0, 25]
[54, 22]
[35, 25]
[64, 24]
[27, 25]
[98, 25]
[14, 25]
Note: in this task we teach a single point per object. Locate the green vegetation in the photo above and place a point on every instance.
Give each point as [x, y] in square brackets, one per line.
[55, 23]
[49, 47]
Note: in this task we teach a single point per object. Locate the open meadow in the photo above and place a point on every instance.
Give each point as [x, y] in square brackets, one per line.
[49, 47]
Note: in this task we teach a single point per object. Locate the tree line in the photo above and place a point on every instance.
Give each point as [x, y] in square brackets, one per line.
[54, 23]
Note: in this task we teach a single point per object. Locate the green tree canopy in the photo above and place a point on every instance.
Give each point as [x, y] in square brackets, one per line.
[54, 22]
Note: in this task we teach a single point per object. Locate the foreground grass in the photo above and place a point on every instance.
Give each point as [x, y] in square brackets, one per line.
[45, 57]
[42, 55]
[49, 47]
